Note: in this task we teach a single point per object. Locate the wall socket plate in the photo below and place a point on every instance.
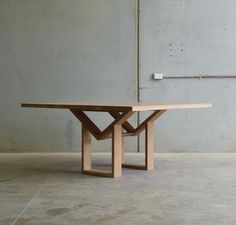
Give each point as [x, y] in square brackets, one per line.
[158, 76]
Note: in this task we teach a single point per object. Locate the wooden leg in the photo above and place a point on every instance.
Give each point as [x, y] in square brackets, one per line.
[149, 151]
[123, 150]
[86, 149]
[149, 146]
[117, 151]
[116, 154]
[146, 125]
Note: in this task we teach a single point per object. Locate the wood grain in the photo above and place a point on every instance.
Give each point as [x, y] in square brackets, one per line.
[86, 149]
[117, 151]
[116, 107]
[149, 146]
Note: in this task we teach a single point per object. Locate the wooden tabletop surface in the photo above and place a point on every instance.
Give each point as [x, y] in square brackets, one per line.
[141, 106]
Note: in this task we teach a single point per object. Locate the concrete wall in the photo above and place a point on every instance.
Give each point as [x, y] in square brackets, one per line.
[61, 50]
[188, 37]
[84, 50]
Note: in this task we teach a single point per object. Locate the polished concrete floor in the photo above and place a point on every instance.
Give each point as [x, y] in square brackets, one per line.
[184, 189]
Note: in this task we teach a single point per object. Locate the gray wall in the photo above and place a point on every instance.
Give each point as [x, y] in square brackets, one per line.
[189, 37]
[84, 50]
[61, 50]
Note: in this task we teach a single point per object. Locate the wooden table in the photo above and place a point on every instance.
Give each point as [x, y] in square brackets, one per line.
[117, 130]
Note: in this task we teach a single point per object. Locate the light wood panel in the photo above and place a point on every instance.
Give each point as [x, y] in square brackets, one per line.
[86, 149]
[116, 107]
[149, 146]
[117, 151]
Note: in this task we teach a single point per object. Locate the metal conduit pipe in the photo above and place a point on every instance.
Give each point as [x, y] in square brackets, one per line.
[199, 77]
[158, 76]
[138, 65]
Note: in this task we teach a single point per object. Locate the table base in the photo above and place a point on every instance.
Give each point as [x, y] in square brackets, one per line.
[115, 132]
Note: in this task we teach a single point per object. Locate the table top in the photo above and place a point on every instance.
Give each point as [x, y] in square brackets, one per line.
[137, 106]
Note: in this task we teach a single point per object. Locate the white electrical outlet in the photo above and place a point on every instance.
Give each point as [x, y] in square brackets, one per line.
[158, 76]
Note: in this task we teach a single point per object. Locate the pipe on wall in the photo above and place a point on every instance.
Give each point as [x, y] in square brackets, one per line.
[195, 77]
[138, 64]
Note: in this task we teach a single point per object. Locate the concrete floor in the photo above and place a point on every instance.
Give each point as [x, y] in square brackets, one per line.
[184, 189]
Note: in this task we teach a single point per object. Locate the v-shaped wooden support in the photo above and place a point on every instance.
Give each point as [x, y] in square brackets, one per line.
[87, 123]
[135, 131]
[94, 130]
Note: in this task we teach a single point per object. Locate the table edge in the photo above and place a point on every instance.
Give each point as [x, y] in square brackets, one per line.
[117, 108]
